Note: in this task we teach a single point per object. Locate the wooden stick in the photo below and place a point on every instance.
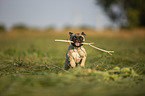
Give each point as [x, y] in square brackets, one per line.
[88, 43]
[72, 42]
[109, 52]
[64, 41]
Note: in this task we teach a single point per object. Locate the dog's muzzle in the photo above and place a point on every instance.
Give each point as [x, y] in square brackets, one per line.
[77, 40]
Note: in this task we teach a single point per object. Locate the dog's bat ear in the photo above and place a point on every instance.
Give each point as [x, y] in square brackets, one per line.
[83, 34]
[70, 33]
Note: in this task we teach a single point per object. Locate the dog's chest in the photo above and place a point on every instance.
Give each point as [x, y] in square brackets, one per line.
[78, 54]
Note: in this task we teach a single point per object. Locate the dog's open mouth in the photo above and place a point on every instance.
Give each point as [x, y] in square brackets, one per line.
[77, 44]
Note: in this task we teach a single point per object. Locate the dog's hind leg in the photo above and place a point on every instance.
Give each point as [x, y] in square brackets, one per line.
[67, 65]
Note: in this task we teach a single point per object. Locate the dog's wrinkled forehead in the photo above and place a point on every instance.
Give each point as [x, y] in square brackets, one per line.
[77, 35]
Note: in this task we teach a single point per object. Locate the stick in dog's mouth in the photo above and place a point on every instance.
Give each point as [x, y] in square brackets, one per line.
[109, 52]
[73, 42]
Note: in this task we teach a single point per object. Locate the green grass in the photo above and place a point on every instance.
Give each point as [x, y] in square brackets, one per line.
[32, 64]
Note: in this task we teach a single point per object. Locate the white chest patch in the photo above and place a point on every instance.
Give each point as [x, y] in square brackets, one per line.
[76, 55]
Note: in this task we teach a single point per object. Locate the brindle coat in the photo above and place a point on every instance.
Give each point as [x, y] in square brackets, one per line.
[75, 56]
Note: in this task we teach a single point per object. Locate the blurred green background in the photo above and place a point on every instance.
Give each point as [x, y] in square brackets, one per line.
[32, 63]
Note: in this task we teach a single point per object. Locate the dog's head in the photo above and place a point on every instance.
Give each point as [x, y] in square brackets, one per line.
[77, 39]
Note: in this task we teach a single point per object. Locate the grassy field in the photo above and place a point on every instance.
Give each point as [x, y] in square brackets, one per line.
[32, 64]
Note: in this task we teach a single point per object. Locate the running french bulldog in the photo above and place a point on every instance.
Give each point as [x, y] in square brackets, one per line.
[76, 54]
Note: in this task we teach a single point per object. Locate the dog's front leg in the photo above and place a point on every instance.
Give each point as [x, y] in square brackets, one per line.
[69, 62]
[72, 61]
[83, 61]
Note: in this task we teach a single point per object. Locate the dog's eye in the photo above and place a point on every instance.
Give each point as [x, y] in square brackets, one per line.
[74, 38]
[81, 38]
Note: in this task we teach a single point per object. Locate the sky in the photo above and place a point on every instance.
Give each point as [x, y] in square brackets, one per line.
[58, 13]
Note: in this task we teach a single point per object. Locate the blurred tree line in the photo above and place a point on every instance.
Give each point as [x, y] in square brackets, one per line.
[2, 28]
[126, 13]
[20, 27]
[50, 28]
